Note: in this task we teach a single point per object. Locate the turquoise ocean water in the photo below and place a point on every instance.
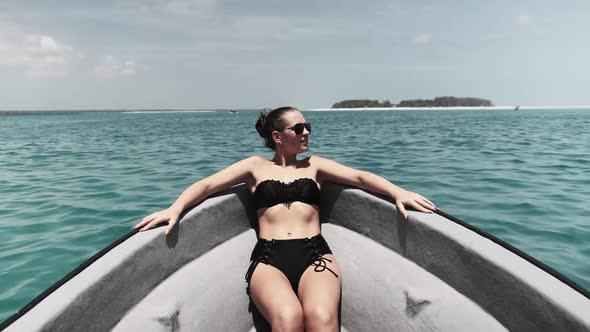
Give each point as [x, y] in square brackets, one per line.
[72, 184]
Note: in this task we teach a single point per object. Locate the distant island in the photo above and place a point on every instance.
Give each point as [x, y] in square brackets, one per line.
[446, 101]
[360, 103]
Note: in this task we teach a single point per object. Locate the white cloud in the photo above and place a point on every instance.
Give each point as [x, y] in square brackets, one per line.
[423, 38]
[46, 57]
[38, 55]
[524, 19]
[113, 67]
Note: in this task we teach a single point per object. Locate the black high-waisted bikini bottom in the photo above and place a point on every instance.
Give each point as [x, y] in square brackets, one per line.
[291, 256]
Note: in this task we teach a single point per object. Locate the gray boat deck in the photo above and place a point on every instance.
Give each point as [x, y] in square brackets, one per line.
[428, 274]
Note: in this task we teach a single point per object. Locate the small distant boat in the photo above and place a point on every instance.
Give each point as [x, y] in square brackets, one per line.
[233, 111]
[517, 107]
[431, 273]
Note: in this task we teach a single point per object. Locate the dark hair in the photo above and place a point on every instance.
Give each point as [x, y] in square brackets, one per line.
[269, 121]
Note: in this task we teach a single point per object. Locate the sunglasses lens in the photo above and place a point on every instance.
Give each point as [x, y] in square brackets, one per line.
[298, 128]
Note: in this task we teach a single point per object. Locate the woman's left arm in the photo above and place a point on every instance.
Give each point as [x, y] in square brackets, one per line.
[332, 171]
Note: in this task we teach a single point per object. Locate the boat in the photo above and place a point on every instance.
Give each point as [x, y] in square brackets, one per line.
[233, 112]
[517, 108]
[432, 272]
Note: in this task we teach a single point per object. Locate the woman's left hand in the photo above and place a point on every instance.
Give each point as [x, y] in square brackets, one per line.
[408, 198]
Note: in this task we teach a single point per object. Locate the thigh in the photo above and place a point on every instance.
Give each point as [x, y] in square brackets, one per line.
[271, 291]
[321, 288]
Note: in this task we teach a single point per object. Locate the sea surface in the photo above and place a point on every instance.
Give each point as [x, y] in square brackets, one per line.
[70, 184]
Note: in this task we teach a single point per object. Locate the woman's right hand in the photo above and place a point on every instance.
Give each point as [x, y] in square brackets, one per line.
[167, 215]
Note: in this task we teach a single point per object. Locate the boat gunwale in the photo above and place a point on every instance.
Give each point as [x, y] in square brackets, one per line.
[234, 190]
[519, 253]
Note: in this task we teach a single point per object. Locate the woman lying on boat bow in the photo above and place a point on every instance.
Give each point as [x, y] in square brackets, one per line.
[291, 289]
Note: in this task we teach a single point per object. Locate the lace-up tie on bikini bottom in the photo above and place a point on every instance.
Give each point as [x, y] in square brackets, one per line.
[292, 257]
[319, 262]
[261, 254]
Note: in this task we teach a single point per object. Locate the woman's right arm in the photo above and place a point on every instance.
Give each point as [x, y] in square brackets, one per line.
[198, 191]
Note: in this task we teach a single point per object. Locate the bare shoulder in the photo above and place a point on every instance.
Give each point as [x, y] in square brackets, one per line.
[241, 168]
[313, 159]
[318, 161]
[332, 171]
[255, 158]
[254, 161]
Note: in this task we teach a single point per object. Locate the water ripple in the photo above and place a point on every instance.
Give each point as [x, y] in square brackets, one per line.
[72, 184]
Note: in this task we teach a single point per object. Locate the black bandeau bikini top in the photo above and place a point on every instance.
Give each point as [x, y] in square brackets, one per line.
[272, 192]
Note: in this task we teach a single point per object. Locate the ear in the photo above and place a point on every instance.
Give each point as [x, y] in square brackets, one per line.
[276, 137]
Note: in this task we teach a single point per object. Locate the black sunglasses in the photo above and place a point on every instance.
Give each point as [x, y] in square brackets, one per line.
[298, 128]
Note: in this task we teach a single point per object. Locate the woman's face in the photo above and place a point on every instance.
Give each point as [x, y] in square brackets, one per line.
[290, 141]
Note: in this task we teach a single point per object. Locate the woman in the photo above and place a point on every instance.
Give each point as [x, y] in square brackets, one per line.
[291, 288]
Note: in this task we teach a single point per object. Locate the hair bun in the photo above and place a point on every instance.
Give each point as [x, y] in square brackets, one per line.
[261, 123]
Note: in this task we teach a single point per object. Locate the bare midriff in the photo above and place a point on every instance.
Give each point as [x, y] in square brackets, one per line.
[291, 220]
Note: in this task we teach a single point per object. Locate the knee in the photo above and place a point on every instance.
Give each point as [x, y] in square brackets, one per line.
[287, 318]
[319, 316]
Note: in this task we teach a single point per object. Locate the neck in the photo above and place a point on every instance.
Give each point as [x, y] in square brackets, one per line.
[285, 160]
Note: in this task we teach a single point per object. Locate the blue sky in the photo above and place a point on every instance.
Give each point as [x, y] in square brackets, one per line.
[200, 54]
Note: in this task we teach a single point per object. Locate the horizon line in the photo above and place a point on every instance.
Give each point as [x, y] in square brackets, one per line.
[521, 107]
